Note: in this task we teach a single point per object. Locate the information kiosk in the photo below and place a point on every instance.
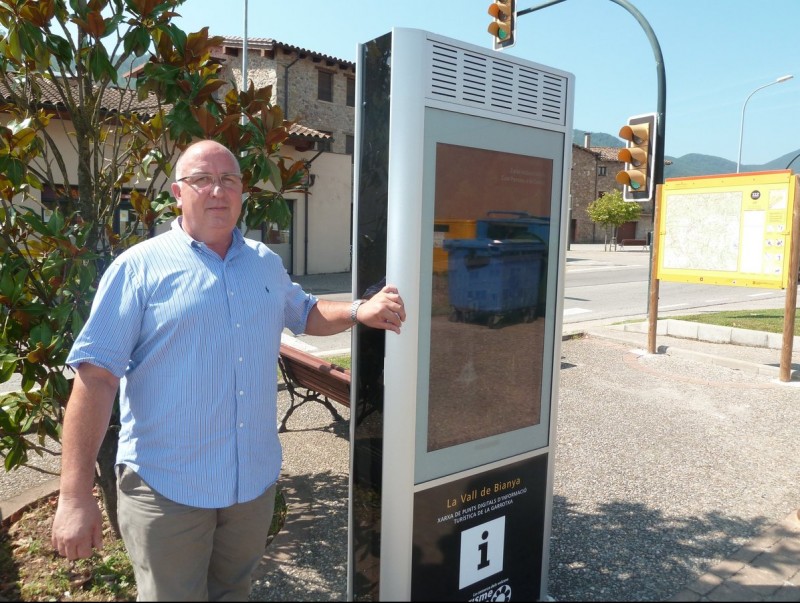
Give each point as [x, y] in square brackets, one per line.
[462, 163]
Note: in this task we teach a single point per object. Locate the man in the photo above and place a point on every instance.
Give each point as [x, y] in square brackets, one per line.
[187, 325]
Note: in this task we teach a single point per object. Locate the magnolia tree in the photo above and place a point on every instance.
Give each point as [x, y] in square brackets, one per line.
[78, 140]
[612, 211]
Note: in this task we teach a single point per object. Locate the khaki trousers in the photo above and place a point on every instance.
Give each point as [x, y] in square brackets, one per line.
[182, 553]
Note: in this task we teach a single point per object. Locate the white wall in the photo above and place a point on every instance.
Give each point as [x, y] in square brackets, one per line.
[321, 221]
[329, 214]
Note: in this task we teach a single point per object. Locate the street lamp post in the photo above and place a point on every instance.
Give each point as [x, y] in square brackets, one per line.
[780, 80]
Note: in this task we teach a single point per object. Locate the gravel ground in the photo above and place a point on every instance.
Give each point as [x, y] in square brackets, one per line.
[664, 467]
[309, 562]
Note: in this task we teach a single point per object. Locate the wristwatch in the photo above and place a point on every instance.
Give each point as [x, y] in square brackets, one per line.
[354, 310]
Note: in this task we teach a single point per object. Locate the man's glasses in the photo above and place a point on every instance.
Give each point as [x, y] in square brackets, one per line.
[203, 182]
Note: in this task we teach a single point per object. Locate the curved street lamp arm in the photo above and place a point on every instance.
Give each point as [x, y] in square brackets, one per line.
[780, 80]
[658, 155]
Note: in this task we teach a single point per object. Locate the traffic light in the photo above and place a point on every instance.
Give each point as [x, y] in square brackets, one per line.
[638, 155]
[504, 25]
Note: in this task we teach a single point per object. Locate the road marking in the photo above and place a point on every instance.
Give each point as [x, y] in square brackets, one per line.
[761, 294]
[573, 270]
[296, 343]
[664, 307]
[571, 311]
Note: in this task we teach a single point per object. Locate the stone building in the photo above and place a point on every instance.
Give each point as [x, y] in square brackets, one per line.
[313, 89]
[594, 172]
[317, 92]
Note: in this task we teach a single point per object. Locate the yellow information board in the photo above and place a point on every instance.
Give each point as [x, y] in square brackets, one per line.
[733, 229]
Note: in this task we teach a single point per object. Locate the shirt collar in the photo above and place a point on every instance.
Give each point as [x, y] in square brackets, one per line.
[236, 242]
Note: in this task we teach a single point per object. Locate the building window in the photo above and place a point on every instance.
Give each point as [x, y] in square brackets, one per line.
[325, 86]
[349, 144]
[351, 92]
[324, 144]
[601, 170]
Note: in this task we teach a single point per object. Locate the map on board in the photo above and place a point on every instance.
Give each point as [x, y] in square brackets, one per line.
[732, 229]
[702, 231]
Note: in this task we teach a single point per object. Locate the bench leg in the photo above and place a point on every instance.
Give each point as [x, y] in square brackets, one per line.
[330, 407]
[312, 397]
[289, 411]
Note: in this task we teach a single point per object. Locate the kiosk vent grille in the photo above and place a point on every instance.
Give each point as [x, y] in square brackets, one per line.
[473, 79]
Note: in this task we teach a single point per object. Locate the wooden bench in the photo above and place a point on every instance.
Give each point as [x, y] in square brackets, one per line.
[627, 242]
[309, 378]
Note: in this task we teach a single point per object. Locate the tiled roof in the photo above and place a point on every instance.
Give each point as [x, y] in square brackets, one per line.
[114, 99]
[298, 131]
[122, 100]
[607, 153]
[269, 44]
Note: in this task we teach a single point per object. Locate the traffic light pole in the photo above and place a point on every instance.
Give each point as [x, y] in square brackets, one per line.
[661, 108]
[658, 172]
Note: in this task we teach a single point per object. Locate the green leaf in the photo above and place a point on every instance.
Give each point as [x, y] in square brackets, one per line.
[77, 321]
[30, 38]
[100, 65]
[15, 456]
[56, 223]
[28, 377]
[136, 41]
[13, 169]
[28, 423]
[59, 47]
[41, 333]
[7, 370]
[13, 49]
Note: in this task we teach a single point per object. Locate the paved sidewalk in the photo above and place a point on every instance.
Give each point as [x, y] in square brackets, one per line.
[767, 566]
[765, 569]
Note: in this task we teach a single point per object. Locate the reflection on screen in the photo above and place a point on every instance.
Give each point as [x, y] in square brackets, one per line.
[491, 234]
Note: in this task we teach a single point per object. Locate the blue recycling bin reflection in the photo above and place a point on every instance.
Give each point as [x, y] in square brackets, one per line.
[495, 282]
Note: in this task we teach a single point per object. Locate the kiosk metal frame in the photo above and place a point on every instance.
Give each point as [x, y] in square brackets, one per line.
[462, 163]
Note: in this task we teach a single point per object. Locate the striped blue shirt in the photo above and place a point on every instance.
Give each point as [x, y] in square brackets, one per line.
[195, 340]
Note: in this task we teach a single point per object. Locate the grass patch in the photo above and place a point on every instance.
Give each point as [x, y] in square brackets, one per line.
[770, 321]
[342, 360]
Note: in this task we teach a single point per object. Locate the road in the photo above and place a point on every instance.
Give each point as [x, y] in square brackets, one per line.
[601, 286]
[608, 286]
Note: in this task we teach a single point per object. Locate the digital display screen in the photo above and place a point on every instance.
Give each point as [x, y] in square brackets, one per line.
[490, 243]
[489, 220]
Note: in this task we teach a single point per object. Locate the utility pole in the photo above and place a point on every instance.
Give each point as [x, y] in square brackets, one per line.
[661, 103]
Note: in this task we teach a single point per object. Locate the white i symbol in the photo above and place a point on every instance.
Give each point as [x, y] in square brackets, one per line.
[482, 551]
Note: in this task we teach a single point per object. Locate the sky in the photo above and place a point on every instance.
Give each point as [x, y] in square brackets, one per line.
[716, 55]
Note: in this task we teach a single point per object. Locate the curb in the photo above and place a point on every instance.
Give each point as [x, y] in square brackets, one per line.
[713, 333]
[12, 509]
[710, 334]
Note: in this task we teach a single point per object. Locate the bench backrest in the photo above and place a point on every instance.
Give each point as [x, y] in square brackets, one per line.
[312, 372]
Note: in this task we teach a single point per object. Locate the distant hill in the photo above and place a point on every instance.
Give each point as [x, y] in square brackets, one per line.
[693, 164]
[598, 139]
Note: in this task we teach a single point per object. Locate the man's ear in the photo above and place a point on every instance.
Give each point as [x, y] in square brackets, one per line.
[176, 192]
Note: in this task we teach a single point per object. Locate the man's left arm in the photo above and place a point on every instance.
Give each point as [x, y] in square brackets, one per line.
[384, 310]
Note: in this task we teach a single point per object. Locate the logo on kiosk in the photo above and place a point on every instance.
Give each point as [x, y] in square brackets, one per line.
[482, 551]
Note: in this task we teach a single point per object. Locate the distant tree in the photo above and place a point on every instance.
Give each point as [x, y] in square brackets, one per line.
[94, 140]
[610, 210]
